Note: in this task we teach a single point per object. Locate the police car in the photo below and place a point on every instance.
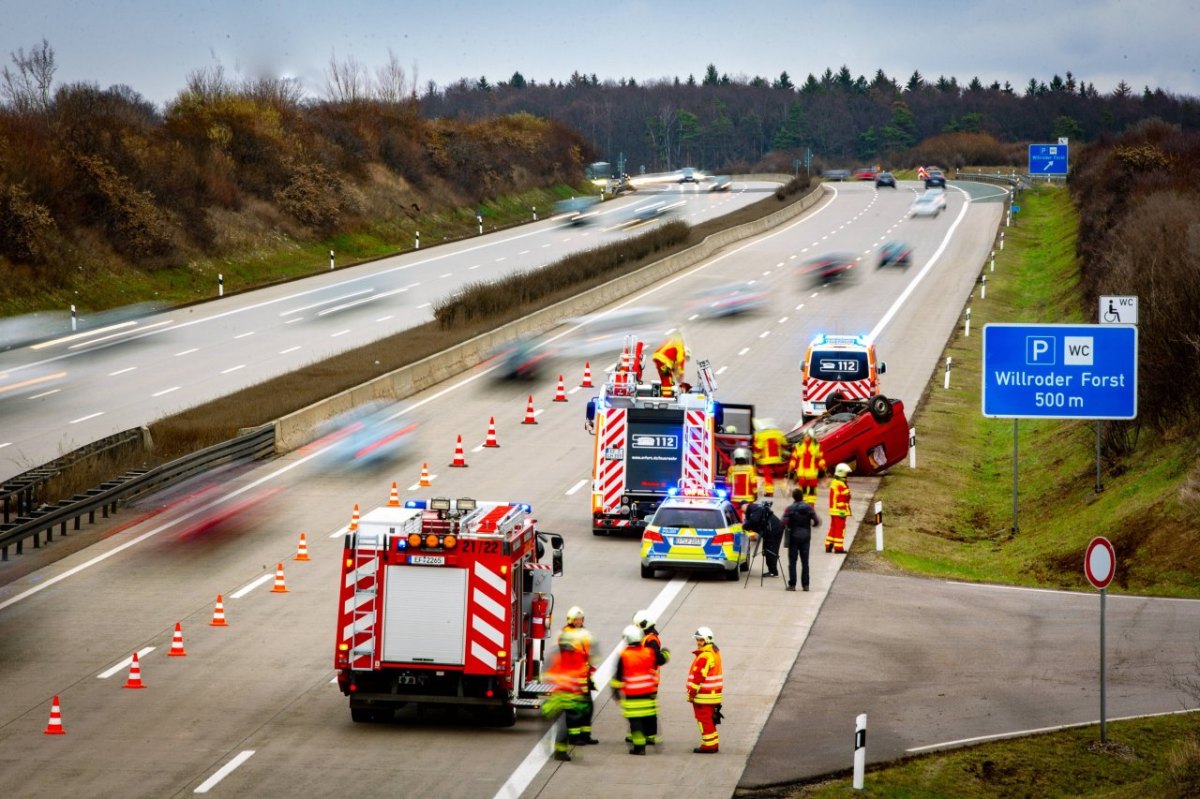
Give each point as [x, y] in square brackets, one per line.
[696, 530]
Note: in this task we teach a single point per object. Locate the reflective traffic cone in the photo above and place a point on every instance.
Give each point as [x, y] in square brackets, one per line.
[491, 437]
[587, 376]
[354, 519]
[625, 360]
[460, 460]
[529, 416]
[177, 650]
[55, 726]
[302, 548]
[394, 497]
[218, 619]
[425, 476]
[135, 674]
[560, 394]
[280, 586]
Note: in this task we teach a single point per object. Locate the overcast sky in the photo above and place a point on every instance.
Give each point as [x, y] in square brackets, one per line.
[152, 45]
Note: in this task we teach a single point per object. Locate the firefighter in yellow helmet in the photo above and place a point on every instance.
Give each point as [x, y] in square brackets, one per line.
[770, 453]
[742, 478]
[670, 360]
[704, 686]
[806, 465]
[573, 679]
[839, 509]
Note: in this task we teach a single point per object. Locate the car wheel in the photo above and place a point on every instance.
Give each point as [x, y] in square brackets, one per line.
[744, 565]
[647, 572]
[731, 575]
[880, 408]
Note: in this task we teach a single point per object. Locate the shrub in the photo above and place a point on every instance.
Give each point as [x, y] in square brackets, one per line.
[24, 226]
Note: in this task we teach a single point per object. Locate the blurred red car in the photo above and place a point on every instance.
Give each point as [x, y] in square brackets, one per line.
[869, 435]
[866, 173]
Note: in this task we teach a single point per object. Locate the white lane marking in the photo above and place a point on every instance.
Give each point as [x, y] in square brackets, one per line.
[782, 320]
[524, 774]
[501, 258]
[45, 393]
[84, 334]
[187, 352]
[545, 245]
[538, 412]
[577, 486]
[243, 335]
[424, 305]
[743, 350]
[669, 332]
[119, 334]
[764, 334]
[165, 391]
[6, 444]
[572, 391]
[289, 349]
[448, 274]
[122, 371]
[478, 448]
[476, 266]
[341, 531]
[124, 664]
[339, 298]
[364, 300]
[224, 771]
[523, 252]
[340, 333]
[798, 307]
[85, 418]
[241, 592]
[233, 368]
[693, 317]
[721, 371]
[384, 318]
[296, 319]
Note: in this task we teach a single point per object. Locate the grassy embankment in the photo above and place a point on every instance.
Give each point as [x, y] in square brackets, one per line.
[951, 518]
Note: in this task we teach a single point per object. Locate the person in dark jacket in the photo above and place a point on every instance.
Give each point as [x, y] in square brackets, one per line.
[798, 521]
[762, 520]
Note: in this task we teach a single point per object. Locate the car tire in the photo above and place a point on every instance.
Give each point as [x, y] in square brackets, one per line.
[647, 572]
[880, 408]
[731, 575]
[744, 565]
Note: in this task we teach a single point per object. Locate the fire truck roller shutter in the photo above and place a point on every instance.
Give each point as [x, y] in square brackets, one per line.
[424, 615]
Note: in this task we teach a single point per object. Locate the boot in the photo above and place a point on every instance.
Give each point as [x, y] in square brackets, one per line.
[638, 750]
[560, 754]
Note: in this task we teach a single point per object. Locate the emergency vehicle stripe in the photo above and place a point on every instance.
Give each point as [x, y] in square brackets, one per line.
[488, 576]
[696, 467]
[367, 569]
[360, 624]
[487, 630]
[484, 656]
[488, 625]
[356, 601]
[612, 473]
[818, 390]
[485, 602]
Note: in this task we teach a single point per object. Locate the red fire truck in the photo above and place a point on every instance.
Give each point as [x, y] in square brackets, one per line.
[445, 601]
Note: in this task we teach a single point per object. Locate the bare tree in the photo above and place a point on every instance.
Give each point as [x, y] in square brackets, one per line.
[279, 92]
[348, 81]
[208, 84]
[28, 87]
[391, 82]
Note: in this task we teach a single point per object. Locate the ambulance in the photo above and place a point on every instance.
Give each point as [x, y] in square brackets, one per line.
[842, 367]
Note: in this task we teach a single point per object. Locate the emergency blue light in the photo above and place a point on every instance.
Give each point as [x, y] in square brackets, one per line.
[415, 503]
[672, 491]
[721, 493]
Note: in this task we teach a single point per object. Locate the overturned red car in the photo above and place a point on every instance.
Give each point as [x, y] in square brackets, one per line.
[868, 435]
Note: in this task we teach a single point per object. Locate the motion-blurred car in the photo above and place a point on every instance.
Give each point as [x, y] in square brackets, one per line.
[865, 173]
[894, 253]
[695, 533]
[578, 210]
[523, 358]
[727, 300]
[828, 268]
[687, 175]
[372, 433]
[836, 174]
[885, 179]
[721, 183]
[867, 435]
[929, 203]
[935, 179]
[603, 334]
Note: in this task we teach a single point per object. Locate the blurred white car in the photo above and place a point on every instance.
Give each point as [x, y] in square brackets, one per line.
[727, 300]
[604, 334]
[373, 433]
[930, 203]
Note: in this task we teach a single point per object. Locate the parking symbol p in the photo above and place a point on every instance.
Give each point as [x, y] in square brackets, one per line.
[1039, 351]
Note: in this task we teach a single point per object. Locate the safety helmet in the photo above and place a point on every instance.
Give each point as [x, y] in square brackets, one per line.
[730, 430]
[763, 424]
[643, 619]
[741, 455]
[632, 635]
[841, 470]
[703, 634]
[574, 613]
[809, 434]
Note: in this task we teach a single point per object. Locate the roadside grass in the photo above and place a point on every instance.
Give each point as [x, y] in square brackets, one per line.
[944, 520]
[1152, 757]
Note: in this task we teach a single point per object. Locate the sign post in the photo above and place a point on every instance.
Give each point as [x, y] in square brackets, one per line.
[1099, 565]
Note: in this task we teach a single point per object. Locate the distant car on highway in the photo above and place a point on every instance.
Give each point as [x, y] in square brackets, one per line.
[373, 433]
[885, 179]
[865, 173]
[578, 210]
[687, 175]
[894, 253]
[935, 179]
[930, 203]
[721, 183]
[828, 268]
[836, 174]
[727, 300]
[522, 358]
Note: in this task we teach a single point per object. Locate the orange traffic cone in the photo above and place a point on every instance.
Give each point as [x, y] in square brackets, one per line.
[354, 519]
[425, 476]
[135, 674]
[218, 619]
[280, 585]
[302, 548]
[625, 360]
[560, 394]
[177, 650]
[460, 460]
[55, 726]
[529, 417]
[587, 375]
[491, 437]
[394, 497]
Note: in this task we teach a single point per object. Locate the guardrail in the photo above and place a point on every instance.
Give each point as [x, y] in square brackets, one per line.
[250, 445]
[1012, 179]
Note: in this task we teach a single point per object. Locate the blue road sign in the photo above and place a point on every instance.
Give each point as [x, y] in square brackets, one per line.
[1048, 159]
[1016, 208]
[1060, 371]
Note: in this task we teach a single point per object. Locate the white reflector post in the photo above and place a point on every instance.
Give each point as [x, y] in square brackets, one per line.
[912, 447]
[879, 526]
[860, 750]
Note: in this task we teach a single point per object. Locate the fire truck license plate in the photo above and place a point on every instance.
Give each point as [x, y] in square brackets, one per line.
[427, 560]
[688, 541]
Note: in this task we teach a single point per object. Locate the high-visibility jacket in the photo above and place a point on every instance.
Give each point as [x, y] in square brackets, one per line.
[770, 446]
[807, 459]
[839, 497]
[653, 642]
[575, 655]
[705, 682]
[743, 482]
[637, 672]
[670, 357]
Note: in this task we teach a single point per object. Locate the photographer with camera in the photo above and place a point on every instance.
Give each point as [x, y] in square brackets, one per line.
[798, 521]
[761, 519]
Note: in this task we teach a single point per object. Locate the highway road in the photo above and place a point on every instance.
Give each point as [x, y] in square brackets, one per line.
[61, 394]
[251, 710]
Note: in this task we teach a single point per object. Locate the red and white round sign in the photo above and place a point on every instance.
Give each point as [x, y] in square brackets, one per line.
[1100, 562]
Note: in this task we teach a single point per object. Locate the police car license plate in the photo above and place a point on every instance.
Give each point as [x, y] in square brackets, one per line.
[688, 541]
[427, 560]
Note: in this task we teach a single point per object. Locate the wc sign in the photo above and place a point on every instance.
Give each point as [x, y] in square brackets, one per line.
[1043, 351]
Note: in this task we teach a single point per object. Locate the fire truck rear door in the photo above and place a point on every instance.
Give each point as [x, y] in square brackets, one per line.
[424, 616]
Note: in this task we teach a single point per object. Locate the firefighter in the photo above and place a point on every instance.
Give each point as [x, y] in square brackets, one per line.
[839, 509]
[770, 446]
[704, 686]
[669, 360]
[575, 651]
[742, 478]
[635, 684]
[807, 465]
[650, 639]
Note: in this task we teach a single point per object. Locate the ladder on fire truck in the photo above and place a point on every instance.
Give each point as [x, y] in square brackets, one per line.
[365, 554]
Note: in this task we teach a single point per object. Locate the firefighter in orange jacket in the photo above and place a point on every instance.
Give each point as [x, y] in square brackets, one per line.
[806, 464]
[704, 687]
[651, 640]
[635, 683]
[669, 360]
[770, 453]
[575, 652]
[742, 478]
[839, 509]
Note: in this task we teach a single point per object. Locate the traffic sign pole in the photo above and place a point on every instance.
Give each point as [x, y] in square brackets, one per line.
[1103, 674]
[1099, 566]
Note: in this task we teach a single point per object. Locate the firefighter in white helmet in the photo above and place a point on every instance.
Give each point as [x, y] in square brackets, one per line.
[704, 685]
[839, 509]
[741, 478]
[645, 622]
[635, 684]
